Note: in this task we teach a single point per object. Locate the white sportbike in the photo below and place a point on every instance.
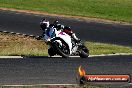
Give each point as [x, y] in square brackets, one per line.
[62, 44]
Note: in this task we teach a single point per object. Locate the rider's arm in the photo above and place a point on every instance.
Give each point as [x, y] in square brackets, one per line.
[41, 36]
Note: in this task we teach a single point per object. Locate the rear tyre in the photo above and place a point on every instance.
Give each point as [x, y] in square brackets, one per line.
[84, 53]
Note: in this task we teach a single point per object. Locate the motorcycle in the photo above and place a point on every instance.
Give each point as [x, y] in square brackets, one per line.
[62, 44]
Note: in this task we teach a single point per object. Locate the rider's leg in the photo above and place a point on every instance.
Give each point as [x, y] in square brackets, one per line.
[75, 37]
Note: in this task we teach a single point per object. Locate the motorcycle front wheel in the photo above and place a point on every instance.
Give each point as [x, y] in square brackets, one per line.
[62, 50]
[51, 52]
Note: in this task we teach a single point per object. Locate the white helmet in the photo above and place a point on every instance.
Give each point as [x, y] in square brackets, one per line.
[44, 23]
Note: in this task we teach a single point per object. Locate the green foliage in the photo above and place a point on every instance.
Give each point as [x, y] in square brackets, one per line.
[120, 10]
[102, 48]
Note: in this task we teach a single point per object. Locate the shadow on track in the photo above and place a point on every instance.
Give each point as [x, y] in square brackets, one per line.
[53, 57]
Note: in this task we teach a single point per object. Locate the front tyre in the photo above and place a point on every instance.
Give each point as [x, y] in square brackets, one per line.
[51, 52]
[62, 50]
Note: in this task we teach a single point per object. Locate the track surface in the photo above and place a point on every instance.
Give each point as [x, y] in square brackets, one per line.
[58, 70]
[101, 32]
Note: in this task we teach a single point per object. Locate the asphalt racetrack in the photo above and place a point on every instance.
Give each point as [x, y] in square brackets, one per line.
[57, 70]
[44, 70]
[86, 30]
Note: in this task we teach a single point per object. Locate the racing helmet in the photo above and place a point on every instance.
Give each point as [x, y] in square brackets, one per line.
[44, 24]
[59, 26]
[56, 22]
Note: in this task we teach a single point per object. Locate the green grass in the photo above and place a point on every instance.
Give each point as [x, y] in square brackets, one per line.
[19, 45]
[119, 10]
[102, 48]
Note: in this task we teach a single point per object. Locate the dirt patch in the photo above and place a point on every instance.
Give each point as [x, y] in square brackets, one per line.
[12, 44]
[66, 16]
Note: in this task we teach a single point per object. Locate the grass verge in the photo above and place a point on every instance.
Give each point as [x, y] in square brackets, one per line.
[11, 44]
[97, 48]
[119, 10]
[20, 45]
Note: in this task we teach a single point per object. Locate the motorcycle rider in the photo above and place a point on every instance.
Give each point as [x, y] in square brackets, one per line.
[44, 24]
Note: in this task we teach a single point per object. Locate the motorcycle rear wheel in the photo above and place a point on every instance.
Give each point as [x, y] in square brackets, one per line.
[84, 53]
